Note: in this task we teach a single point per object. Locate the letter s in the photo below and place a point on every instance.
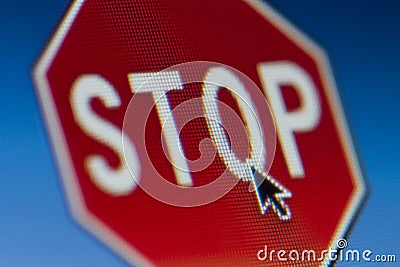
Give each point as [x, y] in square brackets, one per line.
[113, 181]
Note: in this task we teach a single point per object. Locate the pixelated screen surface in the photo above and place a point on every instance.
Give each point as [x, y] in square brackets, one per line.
[37, 222]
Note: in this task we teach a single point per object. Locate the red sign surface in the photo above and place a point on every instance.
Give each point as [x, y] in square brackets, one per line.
[110, 41]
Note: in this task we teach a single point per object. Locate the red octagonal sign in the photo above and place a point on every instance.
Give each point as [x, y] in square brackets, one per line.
[93, 66]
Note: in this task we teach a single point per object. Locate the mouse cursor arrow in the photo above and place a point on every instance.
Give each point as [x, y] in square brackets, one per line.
[271, 193]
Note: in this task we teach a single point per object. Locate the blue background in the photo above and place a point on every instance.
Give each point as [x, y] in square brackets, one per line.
[36, 229]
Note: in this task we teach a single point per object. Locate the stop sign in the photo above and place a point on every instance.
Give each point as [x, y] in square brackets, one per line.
[103, 45]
